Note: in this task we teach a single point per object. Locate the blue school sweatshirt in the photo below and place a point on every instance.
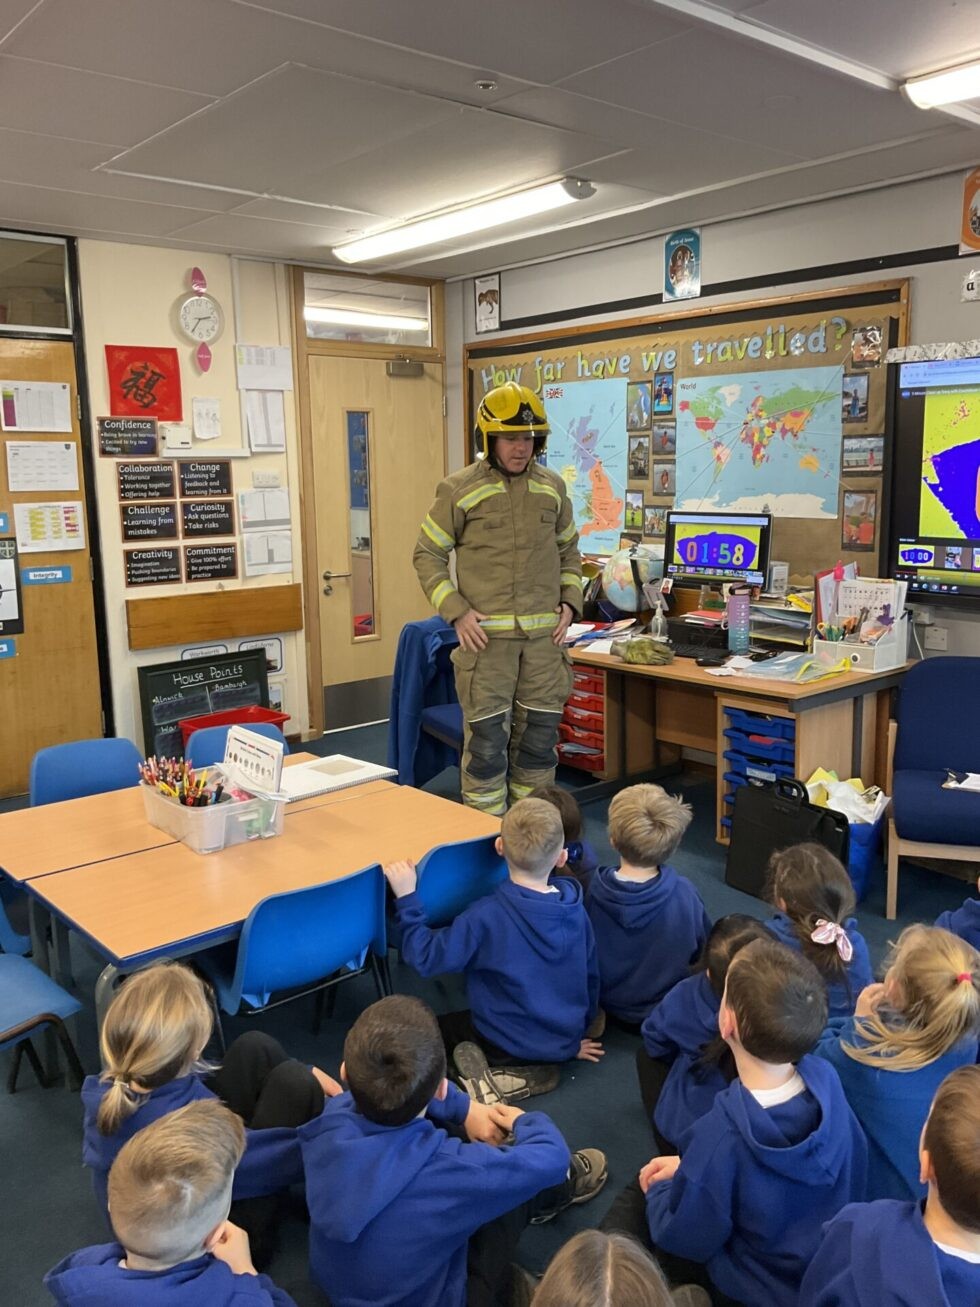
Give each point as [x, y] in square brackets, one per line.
[582, 862]
[94, 1278]
[272, 1160]
[755, 1185]
[392, 1208]
[676, 1030]
[530, 965]
[881, 1255]
[892, 1107]
[841, 994]
[964, 921]
[647, 936]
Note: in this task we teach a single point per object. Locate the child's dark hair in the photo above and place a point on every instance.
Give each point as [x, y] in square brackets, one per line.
[814, 887]
[568, 809]
[778, 999]
[726, 937]
[952, 1137]
[394, 1059]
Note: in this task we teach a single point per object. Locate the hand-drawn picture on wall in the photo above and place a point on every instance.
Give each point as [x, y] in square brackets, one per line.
[664, 478]
[664, 438]
[634, 510]
[859, 520]
[144, 381]
[663, 392]
[638, 406]
[854, 397]
[486, 292]
[863, 454]
[639, 458]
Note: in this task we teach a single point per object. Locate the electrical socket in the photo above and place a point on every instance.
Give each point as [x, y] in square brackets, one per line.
[922, 615]
[936, 638]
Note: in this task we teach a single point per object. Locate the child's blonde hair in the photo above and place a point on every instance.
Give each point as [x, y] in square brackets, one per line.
[936, 978]
[646, 824]
[532, 836]
[155, 1030]
[170, 1186]
[595, 1269]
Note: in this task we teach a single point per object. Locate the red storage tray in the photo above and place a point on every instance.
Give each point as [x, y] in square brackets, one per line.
[231, 717]
[587, 702]
[591, 739]
[585, 761]
[587, 721]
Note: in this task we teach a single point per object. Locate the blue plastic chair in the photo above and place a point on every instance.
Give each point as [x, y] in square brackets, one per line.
[11, 941]
[71, 771]
[29, 1001]
[453, 876]
[207, 746]
[306, 940]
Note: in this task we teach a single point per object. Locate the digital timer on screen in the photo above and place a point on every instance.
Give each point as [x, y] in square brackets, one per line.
[717, 546]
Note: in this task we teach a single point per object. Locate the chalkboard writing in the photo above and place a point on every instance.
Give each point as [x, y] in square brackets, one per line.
[127, 437]
[146, 480]
[207, 517]
[152, 566]
[172, 691]
[203, 480]
[210, 562]
[149, 521]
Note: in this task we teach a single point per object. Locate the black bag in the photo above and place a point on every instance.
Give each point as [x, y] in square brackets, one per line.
[772, 815]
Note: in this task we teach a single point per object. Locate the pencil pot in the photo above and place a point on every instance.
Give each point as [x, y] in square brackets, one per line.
[215, 826]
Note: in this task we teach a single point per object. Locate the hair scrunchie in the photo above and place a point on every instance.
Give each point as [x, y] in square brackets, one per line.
[829, 932]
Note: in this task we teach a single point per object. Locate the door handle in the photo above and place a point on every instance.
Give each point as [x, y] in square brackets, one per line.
[332, 576]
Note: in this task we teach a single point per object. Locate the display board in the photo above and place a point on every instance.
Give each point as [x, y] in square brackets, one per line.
[778, 406]
[172, 691]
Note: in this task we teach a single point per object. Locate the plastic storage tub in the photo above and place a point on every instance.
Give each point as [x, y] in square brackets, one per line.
[753, 723]
[217, 826]
[231, 717]
[771, 748]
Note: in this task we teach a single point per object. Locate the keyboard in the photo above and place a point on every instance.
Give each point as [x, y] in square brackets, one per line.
[684, 649]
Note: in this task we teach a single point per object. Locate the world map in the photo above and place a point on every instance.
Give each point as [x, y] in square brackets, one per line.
[760, 442]
[587, 448]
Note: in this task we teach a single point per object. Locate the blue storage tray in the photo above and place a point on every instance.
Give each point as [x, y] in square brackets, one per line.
[753, 770]
[733, 778]
[757, 723]
[727, 823]
[780, 750]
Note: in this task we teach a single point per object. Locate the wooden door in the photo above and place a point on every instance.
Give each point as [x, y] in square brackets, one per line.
[49, 675]
[378, 452]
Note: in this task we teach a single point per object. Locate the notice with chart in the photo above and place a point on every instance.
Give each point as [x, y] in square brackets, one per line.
[41, 465]
[267, 552]
[265, 414]
[50, 527]
[35, 406]
[264, 510]
[264, 367]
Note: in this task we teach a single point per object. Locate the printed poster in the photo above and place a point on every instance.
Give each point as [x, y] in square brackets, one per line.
[144, 381]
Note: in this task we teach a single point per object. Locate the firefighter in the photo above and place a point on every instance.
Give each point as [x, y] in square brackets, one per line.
[518, 586]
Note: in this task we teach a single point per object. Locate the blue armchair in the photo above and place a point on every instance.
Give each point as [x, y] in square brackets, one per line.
[937, 728]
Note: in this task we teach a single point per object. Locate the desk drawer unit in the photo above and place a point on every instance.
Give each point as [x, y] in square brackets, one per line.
[759, 746]
[582, 734]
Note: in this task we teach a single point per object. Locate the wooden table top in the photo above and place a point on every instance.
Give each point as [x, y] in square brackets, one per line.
[685, 671]
[164, 899]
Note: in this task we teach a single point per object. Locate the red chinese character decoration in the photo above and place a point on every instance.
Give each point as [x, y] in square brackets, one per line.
[144, 381]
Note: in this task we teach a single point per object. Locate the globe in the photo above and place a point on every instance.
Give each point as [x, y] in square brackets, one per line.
[620, 574]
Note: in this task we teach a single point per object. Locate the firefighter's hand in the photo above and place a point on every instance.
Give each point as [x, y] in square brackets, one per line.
[472, 636]
[565, 614]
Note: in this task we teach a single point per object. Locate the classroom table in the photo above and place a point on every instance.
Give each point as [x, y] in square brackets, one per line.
[168, 901]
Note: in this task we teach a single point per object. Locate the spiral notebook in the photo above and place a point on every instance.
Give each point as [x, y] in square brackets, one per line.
[335, 772]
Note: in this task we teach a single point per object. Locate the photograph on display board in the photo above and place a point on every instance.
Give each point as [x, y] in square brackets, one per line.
[664, 478]
[654, 520]
[639, 458]
[863, 454]
[663, 392]
[638, 406]
[634, 510]
[854, 397]
[859, 523]
[866, 347]
[664, 438]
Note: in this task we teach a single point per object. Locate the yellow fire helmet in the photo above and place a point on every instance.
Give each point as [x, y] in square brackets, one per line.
[506, 410]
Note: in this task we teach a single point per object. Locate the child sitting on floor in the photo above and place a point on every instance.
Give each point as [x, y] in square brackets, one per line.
[888, 1253]
[964, 921]
[649, 921]
[814, 901]
[582, 857]
[529, 957]
[169, 1197]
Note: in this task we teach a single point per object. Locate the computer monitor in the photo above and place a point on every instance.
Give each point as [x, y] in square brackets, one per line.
[701, 548]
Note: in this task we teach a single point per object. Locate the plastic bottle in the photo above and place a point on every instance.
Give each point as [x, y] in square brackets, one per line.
[738, 622]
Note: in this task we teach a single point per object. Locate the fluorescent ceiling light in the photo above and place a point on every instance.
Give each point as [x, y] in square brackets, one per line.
[947, 86]
[461, 222]
[354, 318]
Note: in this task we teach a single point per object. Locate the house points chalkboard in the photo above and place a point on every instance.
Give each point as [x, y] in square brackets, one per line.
[172, 691]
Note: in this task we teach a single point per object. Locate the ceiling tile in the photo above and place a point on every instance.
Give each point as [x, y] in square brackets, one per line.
[282, 127]
[563, 36]
[38, 97]
[13, 12]
[754, 93]
[309, 215]
[67, 211]
[286, 240]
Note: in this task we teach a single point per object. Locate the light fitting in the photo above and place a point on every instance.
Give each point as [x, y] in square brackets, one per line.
[356, 318]
[947, 86]
[463, 221]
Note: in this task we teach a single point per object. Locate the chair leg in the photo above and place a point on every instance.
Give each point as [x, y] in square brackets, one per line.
[382, 976]
[15, 1069]
[891, 894]
[76, 1073]
[26, 1048]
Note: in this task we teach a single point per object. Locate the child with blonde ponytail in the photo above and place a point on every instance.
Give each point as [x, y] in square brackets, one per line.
[152, 1043]
[905, 1037]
